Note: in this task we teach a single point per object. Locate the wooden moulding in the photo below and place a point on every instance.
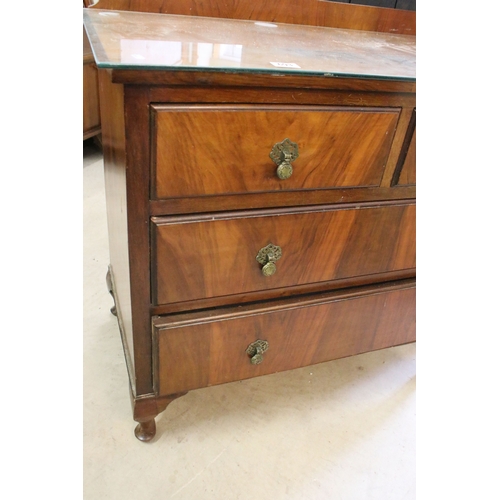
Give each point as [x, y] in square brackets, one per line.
[282, 199]
[227, 78]
[278, 294]
[279, 95]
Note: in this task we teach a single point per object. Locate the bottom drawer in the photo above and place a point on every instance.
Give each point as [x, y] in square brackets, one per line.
[207, 348]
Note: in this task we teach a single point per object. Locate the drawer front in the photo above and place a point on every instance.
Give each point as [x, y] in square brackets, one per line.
[406, 169]
[195, 351]
[216, 255]
[408, 174]
[204, 150]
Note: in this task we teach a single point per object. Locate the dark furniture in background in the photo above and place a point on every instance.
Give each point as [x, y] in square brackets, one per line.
[388, 4]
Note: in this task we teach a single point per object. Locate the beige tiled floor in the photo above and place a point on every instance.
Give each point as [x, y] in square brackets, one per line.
[341, 430]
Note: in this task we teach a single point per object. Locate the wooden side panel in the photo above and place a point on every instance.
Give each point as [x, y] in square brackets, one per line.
[207, 351]
[125, 136]
[224, 150]
[311, 12]
[216, 255]
[113, 143]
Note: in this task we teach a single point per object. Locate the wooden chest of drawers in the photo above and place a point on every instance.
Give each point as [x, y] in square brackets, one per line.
[260, 219]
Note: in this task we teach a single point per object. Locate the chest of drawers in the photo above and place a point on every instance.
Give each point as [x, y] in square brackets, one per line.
[260, 194]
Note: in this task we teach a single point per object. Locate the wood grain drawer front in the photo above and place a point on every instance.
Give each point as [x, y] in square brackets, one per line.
[406, 169]
[207, 150]
[408, 174]
[215, 255]
[197, 351]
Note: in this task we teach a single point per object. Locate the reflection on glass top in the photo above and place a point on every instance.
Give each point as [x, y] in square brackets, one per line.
[134, 40]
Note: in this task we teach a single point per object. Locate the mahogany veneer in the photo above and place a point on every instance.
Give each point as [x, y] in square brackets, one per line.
[339, 147]
[198, 351]
[216, 255]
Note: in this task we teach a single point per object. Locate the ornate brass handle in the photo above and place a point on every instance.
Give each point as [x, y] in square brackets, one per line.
[267, 256]
[256, 350]
[283, 153]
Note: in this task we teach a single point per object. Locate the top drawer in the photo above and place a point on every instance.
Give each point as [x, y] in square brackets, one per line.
[215, 150]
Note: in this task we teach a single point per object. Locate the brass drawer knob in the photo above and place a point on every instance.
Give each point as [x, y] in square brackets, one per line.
[256, 351]
[267, 256]
[283, 153]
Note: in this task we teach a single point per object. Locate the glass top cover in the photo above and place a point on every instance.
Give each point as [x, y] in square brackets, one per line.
[135, 40]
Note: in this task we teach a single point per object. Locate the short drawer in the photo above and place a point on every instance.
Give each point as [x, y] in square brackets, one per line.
[407, 176]
[216, 150]
[202, 349]
[195, 257]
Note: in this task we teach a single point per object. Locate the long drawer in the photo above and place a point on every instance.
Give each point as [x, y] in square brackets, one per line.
[202, 349]
[195, 257]
[214, 150]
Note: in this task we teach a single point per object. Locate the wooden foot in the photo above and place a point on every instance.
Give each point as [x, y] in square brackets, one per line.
[145, 431]
[145, 409]
[109, 282]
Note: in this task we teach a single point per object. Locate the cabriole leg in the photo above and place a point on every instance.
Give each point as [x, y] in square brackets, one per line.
[145, 409]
